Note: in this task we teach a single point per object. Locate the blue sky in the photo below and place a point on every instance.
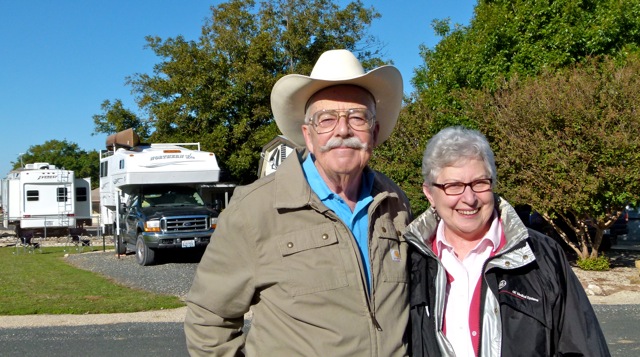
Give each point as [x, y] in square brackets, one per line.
[61, 59]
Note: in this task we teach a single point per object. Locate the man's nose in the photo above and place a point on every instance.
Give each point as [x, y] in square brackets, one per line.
[343, 128]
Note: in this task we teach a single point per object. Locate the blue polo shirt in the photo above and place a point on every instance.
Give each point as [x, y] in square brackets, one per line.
[358, 220]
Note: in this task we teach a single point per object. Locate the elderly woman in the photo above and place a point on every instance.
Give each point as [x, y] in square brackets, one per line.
[482, 283]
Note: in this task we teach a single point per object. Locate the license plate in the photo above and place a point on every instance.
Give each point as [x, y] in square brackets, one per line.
[188, 243]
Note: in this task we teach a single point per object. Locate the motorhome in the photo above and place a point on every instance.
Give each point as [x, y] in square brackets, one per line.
[41, 199]
[152, 196]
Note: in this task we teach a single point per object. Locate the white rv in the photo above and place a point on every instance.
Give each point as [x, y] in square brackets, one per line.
[151, 195]
[41, 199]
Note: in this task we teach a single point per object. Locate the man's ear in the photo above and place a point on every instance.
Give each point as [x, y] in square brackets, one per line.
[376, 134]
[307, 137]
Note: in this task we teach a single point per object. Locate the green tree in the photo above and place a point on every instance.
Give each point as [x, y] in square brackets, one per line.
[116, 118]
[568, 144]
[503, 39]
[216, 90]
[65, 155]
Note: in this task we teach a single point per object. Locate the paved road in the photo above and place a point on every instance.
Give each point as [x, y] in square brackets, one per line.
[621, 325]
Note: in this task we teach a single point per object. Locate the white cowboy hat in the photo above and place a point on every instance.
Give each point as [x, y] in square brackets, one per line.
[290, 94]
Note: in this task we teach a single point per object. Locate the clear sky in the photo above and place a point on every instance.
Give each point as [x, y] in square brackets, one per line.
[59, 60]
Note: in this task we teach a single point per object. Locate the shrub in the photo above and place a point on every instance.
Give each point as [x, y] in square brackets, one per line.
[600, 263]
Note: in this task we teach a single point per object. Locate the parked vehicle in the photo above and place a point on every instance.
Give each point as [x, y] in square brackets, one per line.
[619, 229]
[165, 217]
[41, 199]
[151, 195]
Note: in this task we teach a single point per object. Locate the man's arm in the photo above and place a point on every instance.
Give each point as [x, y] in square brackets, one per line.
[223, 288]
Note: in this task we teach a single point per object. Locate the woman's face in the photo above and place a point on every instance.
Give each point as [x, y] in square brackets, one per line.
[467, 215]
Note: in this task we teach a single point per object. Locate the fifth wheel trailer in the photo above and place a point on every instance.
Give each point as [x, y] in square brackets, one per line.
[42, 199]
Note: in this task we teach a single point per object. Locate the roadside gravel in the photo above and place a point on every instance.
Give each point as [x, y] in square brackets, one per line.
[172, 277]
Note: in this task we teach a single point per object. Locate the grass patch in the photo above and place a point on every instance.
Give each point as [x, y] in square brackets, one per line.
[41, 282]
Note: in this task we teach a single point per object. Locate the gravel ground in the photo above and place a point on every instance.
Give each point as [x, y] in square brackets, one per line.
[171, 277]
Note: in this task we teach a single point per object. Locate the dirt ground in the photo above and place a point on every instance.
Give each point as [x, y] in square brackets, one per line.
[619, 285]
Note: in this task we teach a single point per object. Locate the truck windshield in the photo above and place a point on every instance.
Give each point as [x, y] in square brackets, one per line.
[172, 197]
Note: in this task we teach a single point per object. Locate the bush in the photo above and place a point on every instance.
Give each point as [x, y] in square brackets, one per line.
[600, 263]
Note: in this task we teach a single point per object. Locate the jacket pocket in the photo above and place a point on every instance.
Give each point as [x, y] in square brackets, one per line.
[312, 260]
[393, 253]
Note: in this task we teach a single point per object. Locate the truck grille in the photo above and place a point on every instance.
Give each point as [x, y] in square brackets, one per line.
[185, 224]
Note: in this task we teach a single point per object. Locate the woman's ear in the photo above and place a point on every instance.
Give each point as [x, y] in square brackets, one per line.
[427, 193]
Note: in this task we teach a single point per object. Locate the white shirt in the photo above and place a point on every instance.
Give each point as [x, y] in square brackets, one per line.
[464, 276]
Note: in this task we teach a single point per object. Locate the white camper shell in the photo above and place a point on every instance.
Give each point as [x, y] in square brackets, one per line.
[124, 169]
[41, 199]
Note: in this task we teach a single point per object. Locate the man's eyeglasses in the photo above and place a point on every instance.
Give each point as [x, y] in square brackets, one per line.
[457, 188]
[359, 119]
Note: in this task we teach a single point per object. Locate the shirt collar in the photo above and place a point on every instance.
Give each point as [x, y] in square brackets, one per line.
[491, 237]
[322, 189]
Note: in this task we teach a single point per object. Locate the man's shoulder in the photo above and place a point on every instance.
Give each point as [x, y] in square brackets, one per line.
[257, 187]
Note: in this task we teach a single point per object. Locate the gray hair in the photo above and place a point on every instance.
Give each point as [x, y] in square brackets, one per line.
[453, 144]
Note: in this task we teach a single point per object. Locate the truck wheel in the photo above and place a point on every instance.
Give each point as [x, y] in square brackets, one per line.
[121, 246]
[144, 255]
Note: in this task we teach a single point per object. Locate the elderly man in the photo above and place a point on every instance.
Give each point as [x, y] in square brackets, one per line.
[313, 250]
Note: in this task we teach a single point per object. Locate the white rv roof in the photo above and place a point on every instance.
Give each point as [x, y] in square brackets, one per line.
[166, 163]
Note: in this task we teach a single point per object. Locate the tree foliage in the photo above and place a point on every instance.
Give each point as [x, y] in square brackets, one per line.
[216, 90]
[568, 144]
[65, 155]
[520, 40]
[116, 118]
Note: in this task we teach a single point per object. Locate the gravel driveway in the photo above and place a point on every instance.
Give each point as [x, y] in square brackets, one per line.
[173, 276]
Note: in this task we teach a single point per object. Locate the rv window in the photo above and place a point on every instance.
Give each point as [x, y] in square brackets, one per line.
[81, 194]
[32, 195]
[104, 169]
[121, 164]
[62, 194]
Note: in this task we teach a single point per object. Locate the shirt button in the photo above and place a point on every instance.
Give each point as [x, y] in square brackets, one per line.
[525, 257]
[474, 333]
[384, 230]
[507, 263]
[289, 245]
[325, 236]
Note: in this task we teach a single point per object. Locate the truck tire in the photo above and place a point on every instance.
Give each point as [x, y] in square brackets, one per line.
[144, 255]
[121, 246]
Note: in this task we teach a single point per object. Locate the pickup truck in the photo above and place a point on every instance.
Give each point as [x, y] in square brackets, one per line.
[164, 218]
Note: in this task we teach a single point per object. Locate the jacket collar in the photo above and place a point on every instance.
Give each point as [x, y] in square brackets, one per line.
[424, 227]
[293, 192]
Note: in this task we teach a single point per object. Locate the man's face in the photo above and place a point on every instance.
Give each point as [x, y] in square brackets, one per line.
[334, 155]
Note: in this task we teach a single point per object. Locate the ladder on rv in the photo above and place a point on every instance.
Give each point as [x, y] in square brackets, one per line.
[65, 199]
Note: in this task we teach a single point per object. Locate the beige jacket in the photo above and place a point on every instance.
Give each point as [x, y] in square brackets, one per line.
[281, 253]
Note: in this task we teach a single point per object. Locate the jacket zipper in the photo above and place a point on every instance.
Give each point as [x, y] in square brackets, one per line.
[368, 294]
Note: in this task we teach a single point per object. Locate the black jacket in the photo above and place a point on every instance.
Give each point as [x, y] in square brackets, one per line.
[532, 304]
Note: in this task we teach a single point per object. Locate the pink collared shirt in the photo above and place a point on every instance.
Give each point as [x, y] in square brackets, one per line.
[463, 278]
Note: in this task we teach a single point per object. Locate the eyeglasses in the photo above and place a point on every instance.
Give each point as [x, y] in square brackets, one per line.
[457, 188]
[359, 119]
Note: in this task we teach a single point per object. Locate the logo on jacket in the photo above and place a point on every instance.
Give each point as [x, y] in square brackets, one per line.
[395, 255]
[502, 284]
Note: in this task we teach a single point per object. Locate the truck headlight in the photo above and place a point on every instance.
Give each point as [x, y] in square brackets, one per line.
[214, 222]
[152, 226]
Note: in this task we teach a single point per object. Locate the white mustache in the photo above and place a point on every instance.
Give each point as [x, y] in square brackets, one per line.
[352, 142]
